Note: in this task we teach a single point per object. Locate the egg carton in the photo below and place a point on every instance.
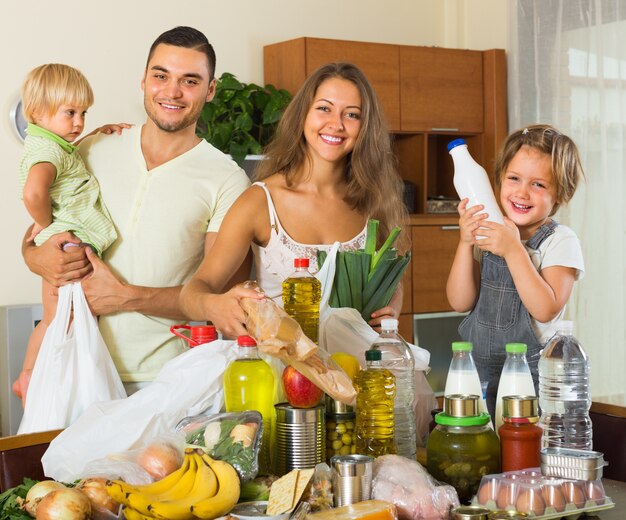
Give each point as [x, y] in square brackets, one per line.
[539, 496]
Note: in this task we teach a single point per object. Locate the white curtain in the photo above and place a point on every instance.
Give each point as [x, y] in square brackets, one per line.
[567, 67]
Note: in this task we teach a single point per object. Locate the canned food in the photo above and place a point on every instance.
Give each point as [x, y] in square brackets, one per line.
[469, 513]
[507, 515]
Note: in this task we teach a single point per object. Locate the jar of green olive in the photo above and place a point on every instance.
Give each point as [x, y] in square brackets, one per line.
[462, 448]
[340, 439]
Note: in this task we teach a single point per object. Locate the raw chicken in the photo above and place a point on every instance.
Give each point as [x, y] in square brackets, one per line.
[415, 493]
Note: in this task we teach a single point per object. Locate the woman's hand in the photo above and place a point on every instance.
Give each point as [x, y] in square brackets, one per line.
[382, 314]
[20, 385]
[226, 313]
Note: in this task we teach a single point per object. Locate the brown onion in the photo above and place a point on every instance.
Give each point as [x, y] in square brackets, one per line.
[160, 459]
[64, 504]
[37, 492]
[95, 490]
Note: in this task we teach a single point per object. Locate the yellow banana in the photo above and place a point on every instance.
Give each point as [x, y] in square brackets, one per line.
[118, 490]
[205, 486]
[141, 501]
[132, 514]
[227, 494]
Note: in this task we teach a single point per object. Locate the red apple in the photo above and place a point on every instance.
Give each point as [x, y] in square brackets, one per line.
[299, 390]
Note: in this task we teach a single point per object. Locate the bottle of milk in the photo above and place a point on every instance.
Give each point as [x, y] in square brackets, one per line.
[462, 375]
[471, 181]
[515, 378]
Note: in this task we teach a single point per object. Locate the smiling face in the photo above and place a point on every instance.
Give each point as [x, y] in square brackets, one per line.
[528, 190]
[176, 86]
[333, 121]
[67, 121]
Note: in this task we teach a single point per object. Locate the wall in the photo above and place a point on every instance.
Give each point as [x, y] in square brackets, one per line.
[109, 41]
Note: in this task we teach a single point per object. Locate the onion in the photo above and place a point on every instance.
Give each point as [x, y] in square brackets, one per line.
[64, 504]
[160, 459]
[37, 492]
[95, 490]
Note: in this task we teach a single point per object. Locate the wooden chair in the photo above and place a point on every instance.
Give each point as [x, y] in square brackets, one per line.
[20, 456]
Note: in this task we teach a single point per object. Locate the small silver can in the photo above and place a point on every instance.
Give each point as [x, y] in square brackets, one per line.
[351, 478]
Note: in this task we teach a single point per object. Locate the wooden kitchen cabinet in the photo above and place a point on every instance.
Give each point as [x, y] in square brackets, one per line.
[441, 90]
[287, 64]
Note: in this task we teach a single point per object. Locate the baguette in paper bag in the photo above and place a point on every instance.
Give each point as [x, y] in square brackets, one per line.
[280, 336]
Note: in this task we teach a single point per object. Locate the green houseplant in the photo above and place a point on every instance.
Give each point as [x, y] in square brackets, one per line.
[241, 118]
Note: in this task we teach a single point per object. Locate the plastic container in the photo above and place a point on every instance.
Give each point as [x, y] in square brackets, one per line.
[540, 497]
[302, 293]
[515, 378]
[471, 181]
[376, 390]
[564, 395]
[198, 334]
[462, 374]
[572, 463]
[249, 385]
[340, 429]
[520, 435]
[462, 448]
[398, 359]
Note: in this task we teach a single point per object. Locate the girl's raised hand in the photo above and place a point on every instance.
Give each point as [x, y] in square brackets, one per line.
[471, 219]
[113, 128]
[497, 238]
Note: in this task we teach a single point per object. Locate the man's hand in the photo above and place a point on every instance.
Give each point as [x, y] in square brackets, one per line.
[52, 263]
[105, 293]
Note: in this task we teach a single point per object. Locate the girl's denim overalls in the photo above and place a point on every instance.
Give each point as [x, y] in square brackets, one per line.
[499, 317]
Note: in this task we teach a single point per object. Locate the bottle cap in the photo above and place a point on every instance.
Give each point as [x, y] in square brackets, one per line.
[373, 355]
[520, 408]
[301, 262]
[516, 348]
[462, 346]
[203, 334]
[455, 143]
[389, 324]
[246, 341]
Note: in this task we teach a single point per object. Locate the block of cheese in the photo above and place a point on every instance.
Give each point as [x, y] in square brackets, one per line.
[366, 510]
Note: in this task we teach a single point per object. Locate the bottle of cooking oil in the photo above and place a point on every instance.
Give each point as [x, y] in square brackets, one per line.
[249, 385]
[376, 390]
[302, 293]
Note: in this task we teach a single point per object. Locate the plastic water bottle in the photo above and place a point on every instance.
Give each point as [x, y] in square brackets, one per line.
[376, 390]
[515, 378]
[564, 396]
[471, 181]
[398, 359]
[462, 375]
[302, 293]
[249, 385]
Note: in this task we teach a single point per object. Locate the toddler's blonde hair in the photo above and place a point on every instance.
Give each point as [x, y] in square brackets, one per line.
[49, 86]
[567, 171]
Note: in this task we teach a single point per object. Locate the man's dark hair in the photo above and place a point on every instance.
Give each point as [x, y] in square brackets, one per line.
[188, 38]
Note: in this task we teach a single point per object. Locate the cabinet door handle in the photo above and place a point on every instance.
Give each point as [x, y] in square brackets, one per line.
[450, 228]
[444, 129]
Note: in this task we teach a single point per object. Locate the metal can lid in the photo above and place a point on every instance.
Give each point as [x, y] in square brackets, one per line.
[469, 513]
[460, 405]
[506, 515]
[334, 407]
[520, 406]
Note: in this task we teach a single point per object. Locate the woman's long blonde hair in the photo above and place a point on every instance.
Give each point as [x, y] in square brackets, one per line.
[374, 187]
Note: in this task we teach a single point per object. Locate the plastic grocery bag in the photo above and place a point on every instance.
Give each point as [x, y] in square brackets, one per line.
[189, 384]
[73, 369]
[344, 330]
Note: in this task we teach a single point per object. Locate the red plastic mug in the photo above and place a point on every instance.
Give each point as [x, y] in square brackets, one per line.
[199, 334]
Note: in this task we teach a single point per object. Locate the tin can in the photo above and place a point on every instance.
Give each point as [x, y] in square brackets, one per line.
[300, 437]
[351, 478]
[469, 513]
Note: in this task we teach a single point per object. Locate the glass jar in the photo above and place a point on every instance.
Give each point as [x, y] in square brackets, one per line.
[340, 434]
[462, 448]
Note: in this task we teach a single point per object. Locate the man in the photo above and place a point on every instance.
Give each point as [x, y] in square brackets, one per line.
[167, 191]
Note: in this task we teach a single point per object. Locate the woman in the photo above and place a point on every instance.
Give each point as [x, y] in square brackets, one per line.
[328, 170]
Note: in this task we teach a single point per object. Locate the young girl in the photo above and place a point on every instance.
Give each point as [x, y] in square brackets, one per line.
[58, 191]
[329, 168]
[518, 278]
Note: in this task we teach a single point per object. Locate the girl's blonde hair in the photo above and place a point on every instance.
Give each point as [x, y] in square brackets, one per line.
[567, 171]
[374, 187]
[49, 86]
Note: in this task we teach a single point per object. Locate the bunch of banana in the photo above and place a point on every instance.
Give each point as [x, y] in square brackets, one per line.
[200, 488]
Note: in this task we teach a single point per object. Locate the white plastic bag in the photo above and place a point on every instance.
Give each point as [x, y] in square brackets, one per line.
[73, 369]
[345, 330]
[189, 384]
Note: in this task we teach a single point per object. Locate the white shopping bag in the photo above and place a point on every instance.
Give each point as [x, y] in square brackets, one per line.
[73, 369]
[345, 330]
[189, 384]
